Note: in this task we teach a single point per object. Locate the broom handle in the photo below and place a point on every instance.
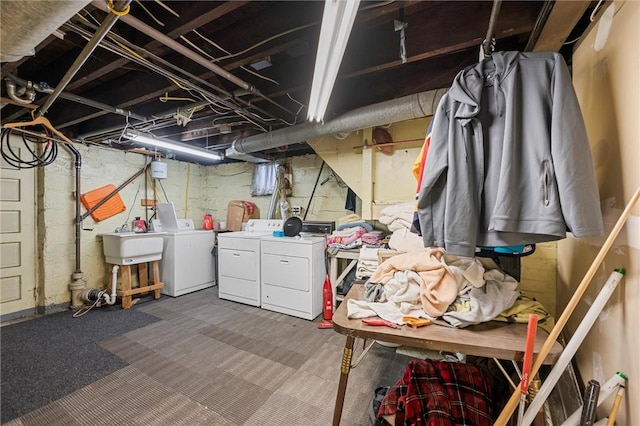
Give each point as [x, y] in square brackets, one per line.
[510, 406]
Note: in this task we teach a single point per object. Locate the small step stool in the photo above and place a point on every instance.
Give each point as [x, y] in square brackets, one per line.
[126, 292]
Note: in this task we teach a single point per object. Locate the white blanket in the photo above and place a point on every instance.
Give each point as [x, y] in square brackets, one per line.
[401, 296]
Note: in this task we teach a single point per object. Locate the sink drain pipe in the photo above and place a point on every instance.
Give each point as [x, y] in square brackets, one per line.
[97, 296]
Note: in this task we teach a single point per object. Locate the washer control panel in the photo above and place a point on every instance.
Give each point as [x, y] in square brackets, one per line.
[263, 226]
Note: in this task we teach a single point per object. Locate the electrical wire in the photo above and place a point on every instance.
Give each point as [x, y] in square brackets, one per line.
[128, 53]
[193, 90]
[165, 98]
[135, 57]
[213, 59]
[186, 192]
[163, 191]
[592, 17]
[85, 309]
[135, 197]
[173, 12]
[295, 118]
[159, 22]
[248, 49]
[211, 42]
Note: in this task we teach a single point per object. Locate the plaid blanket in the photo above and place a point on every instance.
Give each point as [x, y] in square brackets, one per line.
[436, 393]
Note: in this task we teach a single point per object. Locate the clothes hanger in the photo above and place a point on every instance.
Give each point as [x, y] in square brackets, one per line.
[37, 121]
[488, 45]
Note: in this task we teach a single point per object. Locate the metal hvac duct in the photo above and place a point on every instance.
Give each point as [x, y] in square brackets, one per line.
[418, 105]
[25, 24]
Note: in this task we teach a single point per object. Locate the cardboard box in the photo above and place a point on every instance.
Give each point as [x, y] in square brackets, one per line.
[238, 212]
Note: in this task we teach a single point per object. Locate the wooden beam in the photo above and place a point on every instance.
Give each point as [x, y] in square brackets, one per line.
[563, 18]
[436, 52]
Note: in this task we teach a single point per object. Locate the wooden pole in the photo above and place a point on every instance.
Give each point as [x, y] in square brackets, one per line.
[510, 406]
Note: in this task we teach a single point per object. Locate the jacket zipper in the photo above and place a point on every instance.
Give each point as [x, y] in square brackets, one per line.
[546, 182]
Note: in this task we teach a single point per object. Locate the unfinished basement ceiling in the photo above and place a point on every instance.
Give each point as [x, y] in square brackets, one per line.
[265, 52]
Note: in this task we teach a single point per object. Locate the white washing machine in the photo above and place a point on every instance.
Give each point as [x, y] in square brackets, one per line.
[187, 263]
[239, 261]
[293, 272]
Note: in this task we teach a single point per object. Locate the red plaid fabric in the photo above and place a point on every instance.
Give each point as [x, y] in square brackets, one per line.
[436, 393]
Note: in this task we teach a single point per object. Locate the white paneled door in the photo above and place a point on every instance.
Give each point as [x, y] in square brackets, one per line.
[17, 238]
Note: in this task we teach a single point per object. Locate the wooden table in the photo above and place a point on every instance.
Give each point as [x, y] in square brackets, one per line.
[491, 340]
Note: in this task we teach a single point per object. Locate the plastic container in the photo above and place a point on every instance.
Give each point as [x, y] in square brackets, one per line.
[139, 225]
[207, 222]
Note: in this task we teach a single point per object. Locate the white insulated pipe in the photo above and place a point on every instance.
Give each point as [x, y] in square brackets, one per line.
[409, 107]
[43, 18]
[573, 345]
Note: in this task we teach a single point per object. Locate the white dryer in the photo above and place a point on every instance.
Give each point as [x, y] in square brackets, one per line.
[293, 272]
[239, 261]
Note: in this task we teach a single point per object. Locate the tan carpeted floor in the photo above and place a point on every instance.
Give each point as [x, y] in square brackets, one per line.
[214, 362]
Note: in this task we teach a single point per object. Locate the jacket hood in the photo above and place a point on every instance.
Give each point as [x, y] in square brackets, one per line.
[468, 85]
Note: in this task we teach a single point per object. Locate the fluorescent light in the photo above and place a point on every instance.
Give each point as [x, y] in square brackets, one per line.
[337, 21]
[171, 145]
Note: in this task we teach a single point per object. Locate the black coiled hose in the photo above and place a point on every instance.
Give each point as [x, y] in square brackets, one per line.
[40, 151]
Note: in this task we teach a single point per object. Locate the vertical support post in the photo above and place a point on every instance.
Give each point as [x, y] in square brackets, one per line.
[156, 280]
[368, 173]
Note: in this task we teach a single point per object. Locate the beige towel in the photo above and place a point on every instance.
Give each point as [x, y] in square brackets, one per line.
[438, 286]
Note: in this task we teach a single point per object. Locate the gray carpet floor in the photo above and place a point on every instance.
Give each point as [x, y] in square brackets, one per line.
[208, 361]
[46, 358]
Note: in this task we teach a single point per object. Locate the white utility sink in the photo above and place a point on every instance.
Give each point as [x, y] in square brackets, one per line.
[128, 248]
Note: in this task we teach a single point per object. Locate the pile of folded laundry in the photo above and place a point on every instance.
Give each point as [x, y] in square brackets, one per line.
[353, 232]
[398, 218]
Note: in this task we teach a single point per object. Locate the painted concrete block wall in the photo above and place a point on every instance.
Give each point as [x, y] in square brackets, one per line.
[186, 188]
[100, 166]
[194, 190]
[233, 182]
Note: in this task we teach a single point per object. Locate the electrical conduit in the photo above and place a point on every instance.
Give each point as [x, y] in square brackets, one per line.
[120, 8]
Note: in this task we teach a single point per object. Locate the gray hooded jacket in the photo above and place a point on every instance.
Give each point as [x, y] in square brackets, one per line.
[509, 161]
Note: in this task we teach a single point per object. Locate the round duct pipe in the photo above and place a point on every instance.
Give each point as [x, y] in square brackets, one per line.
[418, 105]
[42, 19]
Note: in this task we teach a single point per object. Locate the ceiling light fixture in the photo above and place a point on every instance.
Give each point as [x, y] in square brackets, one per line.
[136, 136]
[337, 21]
